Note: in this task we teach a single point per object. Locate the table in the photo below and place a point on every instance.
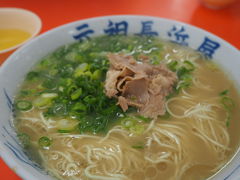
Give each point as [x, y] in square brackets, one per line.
[225, 23]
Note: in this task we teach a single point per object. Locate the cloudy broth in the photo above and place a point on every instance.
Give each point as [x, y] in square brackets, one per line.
[193, 140]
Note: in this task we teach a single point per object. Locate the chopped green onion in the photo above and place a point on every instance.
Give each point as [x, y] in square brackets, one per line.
[65, 82]
[223, 93]
[227, 123]
[42, 101]
[61, 89]
[145, 119]
[67, 125]
[53, 72]
[24, 139]
[228, 118]
[64, 131]
[137, 129]
[32, 75]
[88, 73]
[71, 89]
[71, 56]
[182, 71]
[228, 103]
[28, 92]
[182, 84]
[155, 60]
[66, 70]
[76, 94]
[49, 84]
[172, 65]
[60, 109]
[44, 142]
[45, 62]
[189, 65]
[89, 99]
[186, 77]
[81, 69]
[97, 74]
[128, 124]
[139, 145]
[49, 95]
[79, 107]
[23, 105]
[131, 123]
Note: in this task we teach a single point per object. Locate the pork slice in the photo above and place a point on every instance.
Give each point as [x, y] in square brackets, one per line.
[124, 103]
[119, 61]
[121, 83]
[111, 81]
[123, 80]
[123, 68]
[136, 91]
[144, 58]
[166, 72]
[160, 84]
[162, 80]
[155, 85]
[122, 62]
[139, 84]
[126, 72]
[154, 108]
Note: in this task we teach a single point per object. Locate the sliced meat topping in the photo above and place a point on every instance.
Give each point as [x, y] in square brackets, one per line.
[139, 84]
[111, 82]
[136, 91]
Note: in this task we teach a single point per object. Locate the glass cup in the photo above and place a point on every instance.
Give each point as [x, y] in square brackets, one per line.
[20, 19]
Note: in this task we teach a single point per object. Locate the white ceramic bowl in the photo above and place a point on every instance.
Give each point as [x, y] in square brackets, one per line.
[21, 61]
[22, 19]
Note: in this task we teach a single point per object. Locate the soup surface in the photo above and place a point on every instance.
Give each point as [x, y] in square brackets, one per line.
[12, 37]
[68, 123]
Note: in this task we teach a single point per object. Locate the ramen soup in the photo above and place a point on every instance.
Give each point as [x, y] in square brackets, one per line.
[128, 107]
[12, 37]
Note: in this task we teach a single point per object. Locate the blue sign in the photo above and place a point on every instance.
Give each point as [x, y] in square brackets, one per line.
[116, 28]
[178, 35]
[84, 32]
[208, 47]
[147, 29]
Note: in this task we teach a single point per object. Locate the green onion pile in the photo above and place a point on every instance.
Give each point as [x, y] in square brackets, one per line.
[68, 85]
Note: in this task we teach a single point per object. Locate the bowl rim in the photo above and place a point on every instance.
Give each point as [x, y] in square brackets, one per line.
[8, 158]
[29, 13]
